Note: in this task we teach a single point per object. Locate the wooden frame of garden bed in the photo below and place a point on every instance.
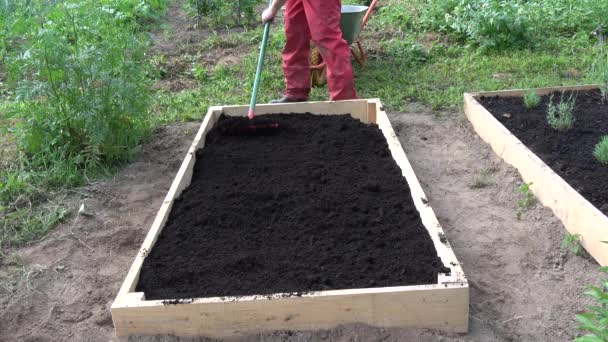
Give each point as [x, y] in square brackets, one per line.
[444, 305]
[577, 214]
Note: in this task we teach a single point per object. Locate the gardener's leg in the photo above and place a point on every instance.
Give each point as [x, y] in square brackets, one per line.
[296, 64]
[324, 24]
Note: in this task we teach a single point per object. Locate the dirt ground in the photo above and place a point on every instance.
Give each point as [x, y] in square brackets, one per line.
[523, 287]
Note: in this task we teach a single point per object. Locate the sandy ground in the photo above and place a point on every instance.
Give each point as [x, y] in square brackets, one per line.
[523, 287]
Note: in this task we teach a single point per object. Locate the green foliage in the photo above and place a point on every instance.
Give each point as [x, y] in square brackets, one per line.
[407, 50]
[595, 320]
[571, 242]
[500, 24]
[560, 116]
[527, 200]
[490, 23]
[82, 85]
[224, 13]
[395, 15]
[600, 152]
[531, 99]
[77, 103]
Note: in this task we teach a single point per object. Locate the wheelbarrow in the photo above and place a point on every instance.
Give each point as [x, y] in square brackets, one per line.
[352, 22]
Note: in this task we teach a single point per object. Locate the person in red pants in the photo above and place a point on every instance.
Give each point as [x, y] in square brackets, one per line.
[318, 20]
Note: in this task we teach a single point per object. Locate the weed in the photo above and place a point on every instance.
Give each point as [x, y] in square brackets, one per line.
[601, 150]
[527, 201]
[531, 99]
[16, 274]
[490, 23]
[406, 50]
[483, 179]
[571, 242]
[560, 116]
[595, 321]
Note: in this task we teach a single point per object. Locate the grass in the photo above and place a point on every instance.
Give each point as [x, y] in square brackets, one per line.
[483, 179]
[601, 150]
[437, 77]
[16, 274]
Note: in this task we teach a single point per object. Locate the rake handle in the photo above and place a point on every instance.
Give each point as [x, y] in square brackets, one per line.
[258, 72]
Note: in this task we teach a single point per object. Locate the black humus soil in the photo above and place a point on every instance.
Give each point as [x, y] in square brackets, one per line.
[318, 205]
[569, 153]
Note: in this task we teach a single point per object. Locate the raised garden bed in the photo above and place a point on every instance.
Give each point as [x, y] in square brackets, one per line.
[309, 228]
[560, 164]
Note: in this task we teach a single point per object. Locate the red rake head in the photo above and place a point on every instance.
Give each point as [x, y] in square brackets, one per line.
[262, 129]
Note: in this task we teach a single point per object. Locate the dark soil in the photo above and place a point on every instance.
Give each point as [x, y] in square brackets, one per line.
[569, 153]
[318, 205]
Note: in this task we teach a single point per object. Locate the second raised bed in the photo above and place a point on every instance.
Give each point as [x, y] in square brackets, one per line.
[546, 164]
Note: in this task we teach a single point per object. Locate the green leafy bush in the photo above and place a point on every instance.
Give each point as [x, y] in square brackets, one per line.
[83, 85]
[601, 150]
[560, 116]
[500, 24]
[531, 99]
[77, 103]
[490, 23]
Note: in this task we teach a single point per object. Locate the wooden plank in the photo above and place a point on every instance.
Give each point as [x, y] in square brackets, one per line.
[417, 306]
[576, 213]
[538, 91]
[429, 219]
[180, 182]
[442, 306]
[372, 110]
[356, 108]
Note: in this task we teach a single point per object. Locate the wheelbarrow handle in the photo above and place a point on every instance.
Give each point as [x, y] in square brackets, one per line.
[369, 12]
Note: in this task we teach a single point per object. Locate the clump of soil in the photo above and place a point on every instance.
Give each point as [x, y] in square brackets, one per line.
[320, 205]
[569, 153]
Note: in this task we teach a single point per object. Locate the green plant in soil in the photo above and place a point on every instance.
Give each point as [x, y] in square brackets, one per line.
[601, 150]
[560, 116]
[595, 320]
[527, 199]
[571, 242]
[531, 99]
[483, 179]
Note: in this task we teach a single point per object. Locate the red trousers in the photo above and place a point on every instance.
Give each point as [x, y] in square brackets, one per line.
[319, 21]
